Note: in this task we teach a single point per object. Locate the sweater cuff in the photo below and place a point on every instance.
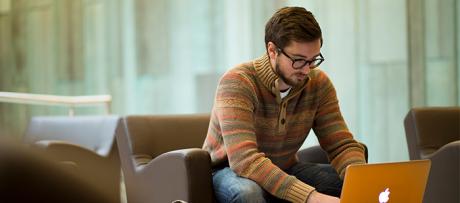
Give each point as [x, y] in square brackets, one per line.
[299, 192]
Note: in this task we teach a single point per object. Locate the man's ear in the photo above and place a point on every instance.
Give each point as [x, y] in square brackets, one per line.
[271, 49]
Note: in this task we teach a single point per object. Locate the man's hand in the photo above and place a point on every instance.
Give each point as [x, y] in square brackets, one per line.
[317, 197]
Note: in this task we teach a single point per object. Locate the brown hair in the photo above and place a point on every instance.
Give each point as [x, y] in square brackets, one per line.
[292, 24]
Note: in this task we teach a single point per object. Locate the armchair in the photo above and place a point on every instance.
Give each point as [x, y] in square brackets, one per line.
[84, 145]
[162, 159]
[30, 175]
[434, 133]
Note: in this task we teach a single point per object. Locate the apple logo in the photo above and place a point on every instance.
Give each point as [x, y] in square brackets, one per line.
[384, 196]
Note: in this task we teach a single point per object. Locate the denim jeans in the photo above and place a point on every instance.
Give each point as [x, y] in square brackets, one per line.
[229, 187]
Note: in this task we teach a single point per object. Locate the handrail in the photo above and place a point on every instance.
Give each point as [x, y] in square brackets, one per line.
[43, 99]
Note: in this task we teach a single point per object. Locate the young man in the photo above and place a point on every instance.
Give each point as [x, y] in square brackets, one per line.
[263, 112]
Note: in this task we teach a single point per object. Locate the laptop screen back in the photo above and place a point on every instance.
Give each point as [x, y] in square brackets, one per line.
[386, 182]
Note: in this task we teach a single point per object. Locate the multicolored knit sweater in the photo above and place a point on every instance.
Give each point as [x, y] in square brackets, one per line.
[259, 133]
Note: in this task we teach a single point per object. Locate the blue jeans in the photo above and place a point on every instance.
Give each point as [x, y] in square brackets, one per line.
[229, 187]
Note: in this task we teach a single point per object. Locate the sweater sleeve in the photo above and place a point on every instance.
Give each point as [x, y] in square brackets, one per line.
[332, 131]
[234, 108]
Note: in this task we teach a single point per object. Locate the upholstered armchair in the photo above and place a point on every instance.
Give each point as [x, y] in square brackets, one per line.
[162, 159]
[84, 145]
[434, 133]
[30, 175]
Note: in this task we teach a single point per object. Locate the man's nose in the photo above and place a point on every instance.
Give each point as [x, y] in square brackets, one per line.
[306, 69]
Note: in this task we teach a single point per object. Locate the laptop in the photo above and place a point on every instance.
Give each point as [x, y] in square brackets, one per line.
[396, 182]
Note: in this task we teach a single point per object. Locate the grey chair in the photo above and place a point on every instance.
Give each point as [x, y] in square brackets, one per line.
[85, 145]
[434, 133]
[162, 159]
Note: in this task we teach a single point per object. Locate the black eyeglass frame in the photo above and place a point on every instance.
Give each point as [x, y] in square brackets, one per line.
[305, 62]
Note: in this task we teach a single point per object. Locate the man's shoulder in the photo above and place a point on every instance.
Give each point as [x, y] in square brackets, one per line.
[244, 70]
[317, 73]
[319, 76]
[246, 67]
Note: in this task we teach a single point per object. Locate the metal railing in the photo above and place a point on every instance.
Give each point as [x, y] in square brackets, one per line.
[70, 101]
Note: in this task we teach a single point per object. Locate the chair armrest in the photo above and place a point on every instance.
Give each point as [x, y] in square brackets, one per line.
[314, 154]
[443, 183]
[68, 154]
[100, 171]
[181, 174]
[447, 153]
[63, 147]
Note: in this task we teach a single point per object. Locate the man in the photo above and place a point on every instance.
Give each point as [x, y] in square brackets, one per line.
[263, 112]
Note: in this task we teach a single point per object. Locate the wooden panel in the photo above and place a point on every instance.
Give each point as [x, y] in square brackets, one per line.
[6, 54]
[431, 28]
[38, 4]
[374, 116]
[383, 87]
[397, 105]
[441, 82]
[39, 49]
[340, 52]
[417, 52]
[153, 36]
[441, 71]
[95, 47]
[5, 7]
[6, 64]
[206, 85]
[28, 32]
[191, 50]
[237, 27]
[387, 39]
[260, 14]
[69, 40]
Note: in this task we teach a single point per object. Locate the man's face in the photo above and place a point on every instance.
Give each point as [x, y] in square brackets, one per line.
[295, 50]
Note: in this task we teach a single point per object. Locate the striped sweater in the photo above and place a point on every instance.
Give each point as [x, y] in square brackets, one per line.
[258, 133]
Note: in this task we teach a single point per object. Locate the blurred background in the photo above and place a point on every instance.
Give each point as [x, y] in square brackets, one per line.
[166, 56]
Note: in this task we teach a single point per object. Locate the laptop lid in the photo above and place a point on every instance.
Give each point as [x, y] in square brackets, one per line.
[386, 182]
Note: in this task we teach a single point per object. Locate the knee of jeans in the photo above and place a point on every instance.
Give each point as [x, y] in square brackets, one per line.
[250, 193]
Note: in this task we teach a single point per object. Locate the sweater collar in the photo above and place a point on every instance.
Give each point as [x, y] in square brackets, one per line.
[266, 74]
[269, 78]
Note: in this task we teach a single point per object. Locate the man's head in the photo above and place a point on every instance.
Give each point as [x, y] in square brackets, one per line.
[293, 41]
[292, 24]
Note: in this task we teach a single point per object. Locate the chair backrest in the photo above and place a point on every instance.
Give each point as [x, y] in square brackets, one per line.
[430, 128]
[154, 135]
[96, 133]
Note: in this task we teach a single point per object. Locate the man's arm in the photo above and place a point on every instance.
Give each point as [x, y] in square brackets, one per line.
[332, 131]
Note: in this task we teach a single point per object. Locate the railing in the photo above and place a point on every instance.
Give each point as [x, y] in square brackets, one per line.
[70, 101]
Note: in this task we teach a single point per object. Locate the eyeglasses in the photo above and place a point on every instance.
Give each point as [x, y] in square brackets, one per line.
[300, 63]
